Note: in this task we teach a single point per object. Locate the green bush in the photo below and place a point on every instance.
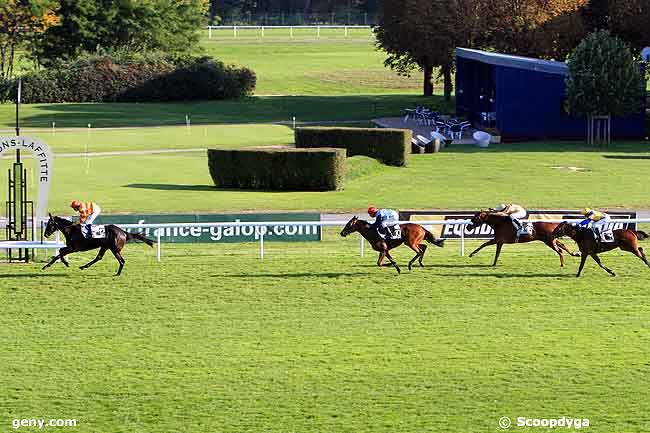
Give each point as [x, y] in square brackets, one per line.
[278, 169]
[153, 78]
[390, 146]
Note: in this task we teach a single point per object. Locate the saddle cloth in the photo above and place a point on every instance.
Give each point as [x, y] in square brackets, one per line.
[92, 231]
[394, 232]
[526, 229]
[607, 236]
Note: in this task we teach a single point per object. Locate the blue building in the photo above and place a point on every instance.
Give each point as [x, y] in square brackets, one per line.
[524, 98]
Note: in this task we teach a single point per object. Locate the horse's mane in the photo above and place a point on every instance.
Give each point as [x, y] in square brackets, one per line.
[62, 221]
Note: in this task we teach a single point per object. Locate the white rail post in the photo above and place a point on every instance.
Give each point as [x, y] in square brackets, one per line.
[262, 32]
[234, 32]
[261, 245]
[346, 31]
[158, 244]
[361, 245]
[462, 240]
[291, 31]
[318, 31]
[209, 32]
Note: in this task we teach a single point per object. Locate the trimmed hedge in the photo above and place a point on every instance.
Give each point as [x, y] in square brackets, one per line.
[154, 78]
[278, 169]
[390, 146]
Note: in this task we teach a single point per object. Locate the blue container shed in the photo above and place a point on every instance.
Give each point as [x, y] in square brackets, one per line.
[524, 98]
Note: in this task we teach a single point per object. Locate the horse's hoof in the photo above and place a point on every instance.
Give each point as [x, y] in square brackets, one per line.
[612, 274]
[82, 267]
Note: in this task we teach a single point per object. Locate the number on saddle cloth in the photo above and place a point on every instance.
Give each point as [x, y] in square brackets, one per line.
[92, 231]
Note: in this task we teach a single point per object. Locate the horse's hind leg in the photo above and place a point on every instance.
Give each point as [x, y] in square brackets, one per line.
[423, 249]
[418, 254]
[100, 255]
[597, 259]
[642, 256]
[552, 245]
[119, 259]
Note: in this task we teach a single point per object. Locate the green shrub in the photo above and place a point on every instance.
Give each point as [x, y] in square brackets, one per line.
[152, 78]
[278, 169]
[390, 146]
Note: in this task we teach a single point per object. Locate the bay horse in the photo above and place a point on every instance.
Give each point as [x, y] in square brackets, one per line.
[412, 236]
[504, 233]
[625, 239]
[75, 241]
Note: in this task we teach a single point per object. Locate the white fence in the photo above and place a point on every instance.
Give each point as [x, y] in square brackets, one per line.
[262, 29]
[159, 228]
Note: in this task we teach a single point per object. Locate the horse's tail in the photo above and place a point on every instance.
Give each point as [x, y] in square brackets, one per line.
[138, 237]
[642, 235]
[429, 237]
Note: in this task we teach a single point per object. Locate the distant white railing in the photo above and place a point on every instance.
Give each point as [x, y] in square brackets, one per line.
[158, 232]
[291, 28]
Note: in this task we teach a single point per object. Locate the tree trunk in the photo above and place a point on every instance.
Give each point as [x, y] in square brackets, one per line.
[448, 84]
[428, 82]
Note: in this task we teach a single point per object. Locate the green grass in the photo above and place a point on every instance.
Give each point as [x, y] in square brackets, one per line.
[462, 177]
[317, 339]
[315, 67]
[246, 110]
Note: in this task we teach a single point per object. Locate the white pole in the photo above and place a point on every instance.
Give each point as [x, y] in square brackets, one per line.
[53, 128]
[158, 244]
[234, 31]
[34, 235]
[291, 31]
[462, 240]
[346, 31]
[262, 31]
[361, 244]
[262, 245]
[209, 32]
[318, 31]
[86, 154]
[294, 122]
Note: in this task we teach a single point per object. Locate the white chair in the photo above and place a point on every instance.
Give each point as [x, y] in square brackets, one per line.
[482, 138]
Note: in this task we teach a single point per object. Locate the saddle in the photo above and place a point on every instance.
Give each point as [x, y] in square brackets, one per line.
[92, 231]
[606, 236]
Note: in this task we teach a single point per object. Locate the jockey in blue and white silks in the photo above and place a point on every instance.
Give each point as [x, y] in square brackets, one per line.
[595, 220]
[515, 212]
[384, 219]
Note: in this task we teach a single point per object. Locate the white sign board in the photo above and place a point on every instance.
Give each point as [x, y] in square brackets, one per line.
[44, 158]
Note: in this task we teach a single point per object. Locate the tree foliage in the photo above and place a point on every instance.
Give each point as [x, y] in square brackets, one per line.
[134, 25]
[604, 78]
[20, 22]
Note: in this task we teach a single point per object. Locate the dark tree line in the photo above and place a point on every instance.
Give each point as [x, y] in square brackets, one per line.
[219, 8]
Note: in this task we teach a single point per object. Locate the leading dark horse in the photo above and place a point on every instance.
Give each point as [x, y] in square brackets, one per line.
[625, 239]
[504, 233]
[412, 236]
[75, 241]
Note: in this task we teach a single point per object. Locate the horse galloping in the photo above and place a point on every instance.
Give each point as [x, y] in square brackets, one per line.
[75, 241]
[625, 239]
[504, 233]
[412, 236]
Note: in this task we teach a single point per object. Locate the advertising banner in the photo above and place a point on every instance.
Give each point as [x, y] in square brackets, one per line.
[272, 233]
[453, 231]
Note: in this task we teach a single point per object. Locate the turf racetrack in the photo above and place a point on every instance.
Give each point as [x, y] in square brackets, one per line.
[316, 339]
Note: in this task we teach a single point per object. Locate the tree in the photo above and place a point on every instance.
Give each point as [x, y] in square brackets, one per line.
[20, 22]
[134, 25]
[604, 79]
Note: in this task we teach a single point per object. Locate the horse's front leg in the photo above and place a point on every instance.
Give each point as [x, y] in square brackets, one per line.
[486, 244]
[583, 259]
[597, 259]
[62, 252]
[564, 247]
[393, 262]
[496, 256]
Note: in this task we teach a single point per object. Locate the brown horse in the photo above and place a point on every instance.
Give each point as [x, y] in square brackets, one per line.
[504, 233]
[75, 241]
[625, 239]
[412, 236]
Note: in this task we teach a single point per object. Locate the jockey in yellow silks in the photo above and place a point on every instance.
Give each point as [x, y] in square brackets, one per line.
[596, 220]
[88, 211]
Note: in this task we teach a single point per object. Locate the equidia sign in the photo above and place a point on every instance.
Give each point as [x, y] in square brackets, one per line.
[42, 154]
[453, 231]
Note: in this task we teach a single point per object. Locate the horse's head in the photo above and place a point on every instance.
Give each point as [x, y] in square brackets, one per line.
[350, 227]
[564, 229]
[51, 226]
[478, 219]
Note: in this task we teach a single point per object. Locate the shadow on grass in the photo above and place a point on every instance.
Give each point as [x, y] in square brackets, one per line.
[510, 275]
[296, 275]
[626, 156]
[171, 187]
[32, 275]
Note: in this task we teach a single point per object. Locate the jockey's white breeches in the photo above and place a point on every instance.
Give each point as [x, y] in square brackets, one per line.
[519, 214]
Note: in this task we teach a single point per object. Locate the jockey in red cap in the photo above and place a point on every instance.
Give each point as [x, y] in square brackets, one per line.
[385, 220]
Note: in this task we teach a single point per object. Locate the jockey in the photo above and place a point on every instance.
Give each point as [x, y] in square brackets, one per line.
[384, 220]
[514, 212]
[88, 211]
[595, 220]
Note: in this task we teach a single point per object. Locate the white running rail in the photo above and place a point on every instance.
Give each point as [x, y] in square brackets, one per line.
[290, 28]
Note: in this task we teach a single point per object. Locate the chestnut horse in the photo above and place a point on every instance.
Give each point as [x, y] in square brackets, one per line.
[504, 233]
[412, 236]
[625, 239]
